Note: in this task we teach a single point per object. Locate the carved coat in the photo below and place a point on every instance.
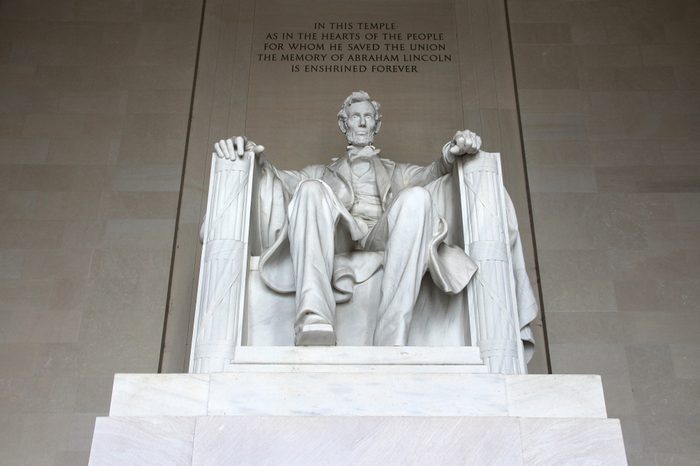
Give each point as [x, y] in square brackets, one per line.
[449, 266]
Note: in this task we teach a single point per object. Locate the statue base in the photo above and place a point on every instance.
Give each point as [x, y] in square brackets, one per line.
[352, 414]
[465, 359]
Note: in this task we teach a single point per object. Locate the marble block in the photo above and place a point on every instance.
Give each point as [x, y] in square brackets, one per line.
[426, 390]
[142, 441]
[367, 368]
[555, 395]
[158, 394]
[357, 394]
[356, 440]
[435, 356]
[572, 442]
[352, 440]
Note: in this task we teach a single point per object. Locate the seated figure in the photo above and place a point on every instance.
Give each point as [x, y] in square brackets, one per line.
[325, 225]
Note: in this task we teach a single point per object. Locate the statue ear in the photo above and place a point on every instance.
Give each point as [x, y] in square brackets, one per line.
[343, 127]
[378, 125]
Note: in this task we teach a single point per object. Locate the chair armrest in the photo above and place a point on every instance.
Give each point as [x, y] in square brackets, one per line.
[218, 326]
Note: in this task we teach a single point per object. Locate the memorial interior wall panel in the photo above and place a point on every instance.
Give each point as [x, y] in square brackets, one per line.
[94, 103]
[609, 98]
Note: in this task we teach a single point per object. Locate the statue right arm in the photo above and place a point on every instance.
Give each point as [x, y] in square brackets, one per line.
[289, 179]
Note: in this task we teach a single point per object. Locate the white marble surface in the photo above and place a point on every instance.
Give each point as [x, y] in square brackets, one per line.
[144, 441]
[158, 394]
[572, 442]
[357, 394]
[555, 395]
[356, 390]
[341, 440]
[270, 315]
[367, 368]
[356, 441]
[338, 355]
[297, 414]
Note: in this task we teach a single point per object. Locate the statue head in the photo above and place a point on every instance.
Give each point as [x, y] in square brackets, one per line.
[359, 118]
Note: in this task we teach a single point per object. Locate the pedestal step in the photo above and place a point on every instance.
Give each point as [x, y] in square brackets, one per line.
[305, 415]
[367, 393]
[217, 440]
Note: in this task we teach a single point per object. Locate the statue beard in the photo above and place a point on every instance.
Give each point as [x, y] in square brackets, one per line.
[355, 139]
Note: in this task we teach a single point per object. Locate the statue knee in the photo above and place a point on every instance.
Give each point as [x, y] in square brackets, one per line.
[311, 192]
[310, 196]
[415, 197]
[313, 188]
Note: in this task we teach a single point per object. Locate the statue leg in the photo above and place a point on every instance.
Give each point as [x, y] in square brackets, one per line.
[313, 214]
[411, 221]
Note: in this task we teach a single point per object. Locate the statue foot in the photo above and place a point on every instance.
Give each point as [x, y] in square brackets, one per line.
[313, 330]
[315, 335]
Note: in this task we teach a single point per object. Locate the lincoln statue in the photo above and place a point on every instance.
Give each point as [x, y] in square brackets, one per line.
[333, 216]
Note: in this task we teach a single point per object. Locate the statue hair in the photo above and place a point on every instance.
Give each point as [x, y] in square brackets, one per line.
[358, 96]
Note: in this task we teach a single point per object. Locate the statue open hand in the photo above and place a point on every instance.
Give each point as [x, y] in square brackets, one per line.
[465, 142]
[235, 148]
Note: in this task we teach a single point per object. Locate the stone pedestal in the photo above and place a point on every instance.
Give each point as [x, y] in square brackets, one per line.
[302, 414]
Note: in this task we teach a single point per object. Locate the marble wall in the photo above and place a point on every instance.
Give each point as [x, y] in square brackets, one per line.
[94, 104]
[609, 93]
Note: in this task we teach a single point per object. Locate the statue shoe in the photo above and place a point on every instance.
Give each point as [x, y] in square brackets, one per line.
[314, 331]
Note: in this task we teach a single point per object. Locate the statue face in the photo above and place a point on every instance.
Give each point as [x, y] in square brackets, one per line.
[361, 124]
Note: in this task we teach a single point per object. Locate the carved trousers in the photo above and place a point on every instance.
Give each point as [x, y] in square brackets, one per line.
[404, 233]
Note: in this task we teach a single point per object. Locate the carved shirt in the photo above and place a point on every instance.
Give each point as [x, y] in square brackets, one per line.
[367, 205]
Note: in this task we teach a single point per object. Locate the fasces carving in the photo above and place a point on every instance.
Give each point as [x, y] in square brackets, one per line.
[224, 264]
[491, 239]
[326, 229]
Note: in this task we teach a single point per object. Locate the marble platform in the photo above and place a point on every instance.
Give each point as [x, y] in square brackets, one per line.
[388, 440]
[304, 391]
[289, 414]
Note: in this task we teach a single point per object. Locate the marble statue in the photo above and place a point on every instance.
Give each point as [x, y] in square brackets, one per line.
[362, 202]
[363, 251]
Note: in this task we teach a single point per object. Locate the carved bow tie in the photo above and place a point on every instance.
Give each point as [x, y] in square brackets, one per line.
[364, 152]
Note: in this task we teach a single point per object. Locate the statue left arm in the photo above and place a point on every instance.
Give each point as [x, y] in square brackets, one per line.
[463, 142]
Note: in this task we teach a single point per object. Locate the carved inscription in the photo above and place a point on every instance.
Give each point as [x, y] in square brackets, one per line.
[355, 47]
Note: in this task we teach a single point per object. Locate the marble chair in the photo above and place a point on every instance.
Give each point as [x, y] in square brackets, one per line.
[238, 320]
